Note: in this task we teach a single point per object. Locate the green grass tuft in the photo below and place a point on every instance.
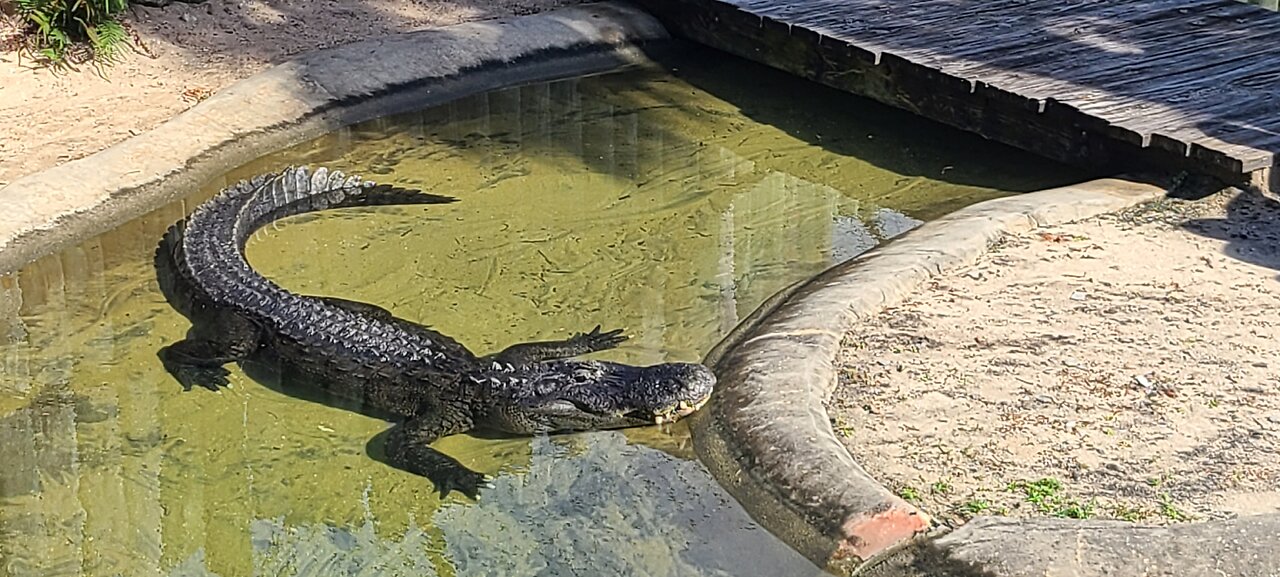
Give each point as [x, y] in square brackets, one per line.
[61, 31]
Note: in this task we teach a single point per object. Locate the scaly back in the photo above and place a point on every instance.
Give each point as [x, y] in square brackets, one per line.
[211, 256]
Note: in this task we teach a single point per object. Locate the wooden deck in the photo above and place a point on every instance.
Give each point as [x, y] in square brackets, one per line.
[1191, 84]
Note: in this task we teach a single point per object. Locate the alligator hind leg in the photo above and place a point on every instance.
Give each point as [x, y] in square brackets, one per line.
[198, 359]
[408, 448]
[579, 344]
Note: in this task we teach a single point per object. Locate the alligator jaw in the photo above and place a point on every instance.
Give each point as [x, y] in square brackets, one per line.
[679, 411]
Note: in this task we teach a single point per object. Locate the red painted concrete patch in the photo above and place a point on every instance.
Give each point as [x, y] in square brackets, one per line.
[866, 536]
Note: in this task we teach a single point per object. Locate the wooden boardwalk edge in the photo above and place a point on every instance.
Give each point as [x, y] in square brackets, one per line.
[1047, 127]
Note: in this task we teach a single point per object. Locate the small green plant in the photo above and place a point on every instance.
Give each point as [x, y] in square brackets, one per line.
[1127, 513]
[909, 493]
[1075, 510]
[57, 27]
[1170, 511]
[842, 427]
[1045, 495]
[975, 506]
[1040, 493]
[940, 487]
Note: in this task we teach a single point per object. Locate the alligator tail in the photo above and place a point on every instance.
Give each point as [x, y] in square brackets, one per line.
[210, 243]
[297, 190]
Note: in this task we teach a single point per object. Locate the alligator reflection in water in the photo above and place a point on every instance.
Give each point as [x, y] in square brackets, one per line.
[602, 508]
[361, 352]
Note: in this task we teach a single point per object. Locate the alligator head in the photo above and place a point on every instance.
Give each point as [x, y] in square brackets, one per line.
[586, 395]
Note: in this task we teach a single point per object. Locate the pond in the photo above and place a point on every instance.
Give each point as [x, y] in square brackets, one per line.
[667, 200]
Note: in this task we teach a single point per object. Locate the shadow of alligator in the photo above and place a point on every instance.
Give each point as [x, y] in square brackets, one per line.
[1251, 229]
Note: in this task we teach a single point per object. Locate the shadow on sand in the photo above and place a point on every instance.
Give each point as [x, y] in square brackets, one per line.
[1251, 229]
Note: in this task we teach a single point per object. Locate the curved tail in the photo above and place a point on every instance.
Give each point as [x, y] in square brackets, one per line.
[208, 247]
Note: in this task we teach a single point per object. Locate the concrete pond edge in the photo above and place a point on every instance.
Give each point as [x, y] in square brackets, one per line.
[303, 98]
[767, 438]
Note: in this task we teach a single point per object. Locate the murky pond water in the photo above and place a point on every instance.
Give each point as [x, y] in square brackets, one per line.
[669, 202]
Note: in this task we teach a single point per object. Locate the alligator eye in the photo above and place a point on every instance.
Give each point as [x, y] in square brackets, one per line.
[580, 406]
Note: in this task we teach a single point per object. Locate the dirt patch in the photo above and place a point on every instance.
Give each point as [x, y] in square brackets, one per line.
[186, 53]
[1124, 367]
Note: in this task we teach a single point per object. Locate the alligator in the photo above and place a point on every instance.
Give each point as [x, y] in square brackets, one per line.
[428, 383]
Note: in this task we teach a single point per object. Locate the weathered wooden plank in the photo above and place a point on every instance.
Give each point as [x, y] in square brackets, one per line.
[926, 25]
[999, 36]
[1161, 84]
[1188, 81]
[1152, 41]
[1208, 105]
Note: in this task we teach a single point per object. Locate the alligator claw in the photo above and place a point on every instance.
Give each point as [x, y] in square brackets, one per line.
[598, 341]
[462, 480]
[212, 378]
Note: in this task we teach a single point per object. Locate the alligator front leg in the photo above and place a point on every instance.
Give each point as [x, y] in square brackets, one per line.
[198, 359]
[408, 447]
[579, 344]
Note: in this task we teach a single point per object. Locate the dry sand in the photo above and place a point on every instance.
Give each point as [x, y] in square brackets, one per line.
[1127, 366]
[186, 52]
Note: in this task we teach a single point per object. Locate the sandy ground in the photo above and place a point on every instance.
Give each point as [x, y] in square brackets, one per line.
[186, 52]
[1126, 366]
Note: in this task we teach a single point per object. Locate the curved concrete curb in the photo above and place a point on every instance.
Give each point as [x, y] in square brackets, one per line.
[304, 98]
[766, 435]
[1000, 547]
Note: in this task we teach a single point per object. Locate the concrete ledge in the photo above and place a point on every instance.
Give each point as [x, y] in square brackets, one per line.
[999, 547]
[304, 98]
[766, 435]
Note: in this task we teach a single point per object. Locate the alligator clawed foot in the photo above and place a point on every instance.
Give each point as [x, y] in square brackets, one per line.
[598, 341]
[462, 480]
[212, 378]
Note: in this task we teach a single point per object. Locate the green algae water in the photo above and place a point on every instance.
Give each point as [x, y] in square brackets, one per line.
[669, 202]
